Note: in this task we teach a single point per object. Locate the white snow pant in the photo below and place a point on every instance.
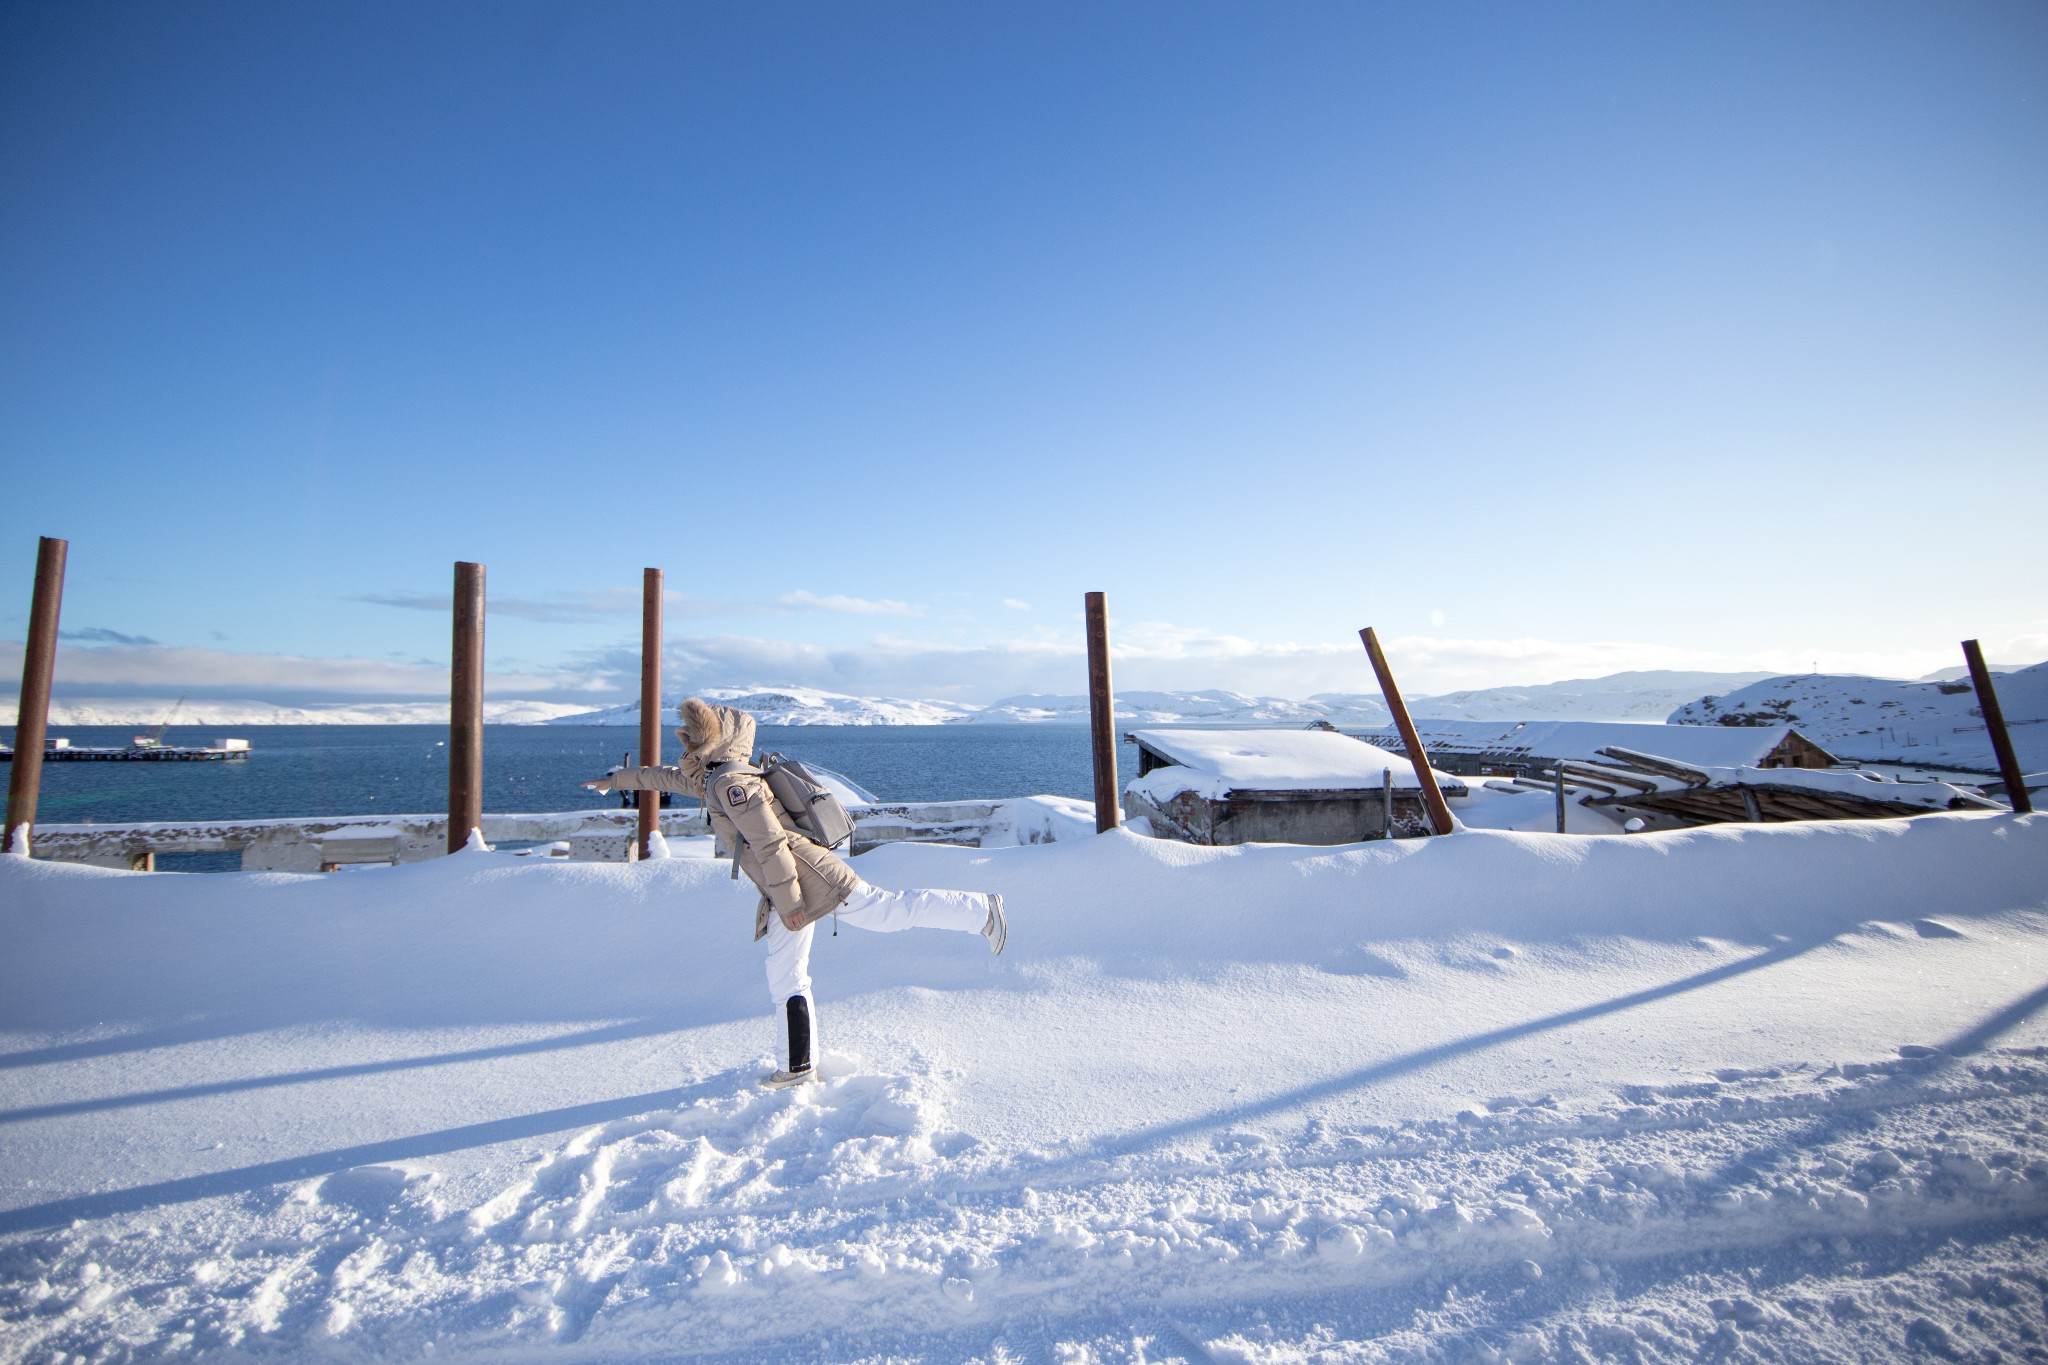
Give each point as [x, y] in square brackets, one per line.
[870, 908]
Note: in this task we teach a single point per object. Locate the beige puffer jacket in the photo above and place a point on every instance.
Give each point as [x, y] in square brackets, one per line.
[800, 880]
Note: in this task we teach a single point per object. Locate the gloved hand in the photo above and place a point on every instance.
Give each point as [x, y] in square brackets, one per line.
[599, 784]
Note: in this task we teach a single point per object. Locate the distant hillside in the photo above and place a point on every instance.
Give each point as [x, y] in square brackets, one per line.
[1877, 720]
[146, 713]
[788, 706]
[1180, 708]
[1644, 695]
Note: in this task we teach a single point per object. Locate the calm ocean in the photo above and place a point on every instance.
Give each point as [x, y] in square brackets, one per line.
[403, 769]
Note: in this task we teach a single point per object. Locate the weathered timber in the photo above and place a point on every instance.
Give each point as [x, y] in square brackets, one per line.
[1994, 721]
[1101, 713]
[1612, 777]
[1663, 766]
[32, 717]
[649, 802]
[466, 708]
[1432, 798]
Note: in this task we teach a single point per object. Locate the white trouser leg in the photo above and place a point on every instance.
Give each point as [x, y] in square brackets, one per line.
[789, 961]
[888, 912]
[789, 975]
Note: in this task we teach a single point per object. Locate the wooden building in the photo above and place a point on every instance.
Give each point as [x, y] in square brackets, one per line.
[1275, 786]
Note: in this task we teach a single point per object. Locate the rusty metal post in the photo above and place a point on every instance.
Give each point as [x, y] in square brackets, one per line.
[1101, 713]
[1432, 798]
[32, 720]
[1994, 721]
[649, 817]
[466, 708]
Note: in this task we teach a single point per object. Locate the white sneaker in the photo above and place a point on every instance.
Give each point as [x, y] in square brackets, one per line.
[784, 1080]
[997, 930]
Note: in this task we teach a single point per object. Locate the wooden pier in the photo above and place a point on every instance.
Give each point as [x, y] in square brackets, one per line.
[227, 751]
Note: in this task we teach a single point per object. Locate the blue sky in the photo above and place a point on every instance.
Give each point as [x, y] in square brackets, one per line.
[1551, 340]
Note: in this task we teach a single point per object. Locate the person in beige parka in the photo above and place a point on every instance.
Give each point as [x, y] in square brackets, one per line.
[800, 881]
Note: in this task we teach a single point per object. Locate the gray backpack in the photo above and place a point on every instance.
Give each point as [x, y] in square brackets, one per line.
[811, 806]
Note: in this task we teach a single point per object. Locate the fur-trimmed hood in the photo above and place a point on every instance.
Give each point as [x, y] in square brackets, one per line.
[713, 734]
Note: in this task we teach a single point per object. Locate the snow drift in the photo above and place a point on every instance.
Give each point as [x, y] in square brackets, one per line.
[1507, 1096]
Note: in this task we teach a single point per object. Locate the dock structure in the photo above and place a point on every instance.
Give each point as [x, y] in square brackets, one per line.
[62, 751]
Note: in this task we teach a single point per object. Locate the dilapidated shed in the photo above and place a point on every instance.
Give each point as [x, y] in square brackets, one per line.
[1512, 748]
[1275, 786]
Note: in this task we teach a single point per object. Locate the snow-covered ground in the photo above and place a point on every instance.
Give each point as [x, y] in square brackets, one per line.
[1762, 1092]
[1933, 724]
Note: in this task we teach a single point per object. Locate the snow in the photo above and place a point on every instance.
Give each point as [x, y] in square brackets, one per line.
[1643, 695]
[1214, 763]
[1775, 1092]
[1211, 707]
[1930, 724]
[1719, 746]
[849, 792]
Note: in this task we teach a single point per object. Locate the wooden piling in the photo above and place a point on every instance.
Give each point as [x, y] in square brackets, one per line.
[1994, 721]
[1560, 800]
[1432, 798]
[1386, 803]
[1101, 713]
[466, 708]
[649, 814]
[32, 719]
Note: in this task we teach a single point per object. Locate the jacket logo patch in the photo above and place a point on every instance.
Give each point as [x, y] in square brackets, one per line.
[734, 796]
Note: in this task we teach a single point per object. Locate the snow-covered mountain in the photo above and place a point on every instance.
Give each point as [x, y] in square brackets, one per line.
[1877, 720]
[1644, 695]
[788, 706]
[1175, 708]
[128, 711]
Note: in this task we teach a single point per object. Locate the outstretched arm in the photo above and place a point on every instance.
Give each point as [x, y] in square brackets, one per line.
[641, 779]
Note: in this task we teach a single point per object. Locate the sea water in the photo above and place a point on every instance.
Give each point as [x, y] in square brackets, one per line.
[312, 770]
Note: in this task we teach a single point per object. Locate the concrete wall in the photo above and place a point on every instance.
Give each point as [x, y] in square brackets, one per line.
[316, 844]
[1282, 817]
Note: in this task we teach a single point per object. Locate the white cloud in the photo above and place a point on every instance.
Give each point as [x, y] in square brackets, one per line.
[846, 606]
[1145, 655]
[1014, 604]
[153, 670]
[570, 606]
[597, 603]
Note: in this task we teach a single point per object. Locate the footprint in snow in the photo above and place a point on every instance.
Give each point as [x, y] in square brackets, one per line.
[730, 1147]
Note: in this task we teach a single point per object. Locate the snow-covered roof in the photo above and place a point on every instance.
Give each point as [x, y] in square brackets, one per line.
[1214, 763]
[1722, 746]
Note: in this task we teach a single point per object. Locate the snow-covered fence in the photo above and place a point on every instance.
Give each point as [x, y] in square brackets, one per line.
[313, 844]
